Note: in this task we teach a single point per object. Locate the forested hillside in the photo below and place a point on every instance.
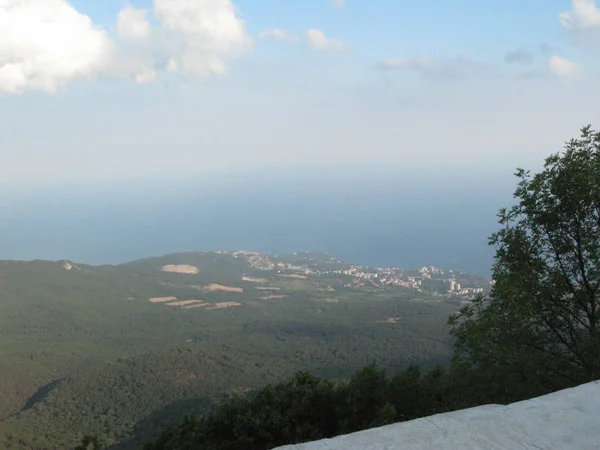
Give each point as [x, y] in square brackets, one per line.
[122, 351]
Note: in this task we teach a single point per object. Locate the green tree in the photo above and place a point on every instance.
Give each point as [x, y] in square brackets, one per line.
[538, 329]
[89, 443]
[366, 394]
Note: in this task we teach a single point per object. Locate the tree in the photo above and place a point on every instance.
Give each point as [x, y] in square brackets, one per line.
[89, 443]
[539, 326]
[367, 398]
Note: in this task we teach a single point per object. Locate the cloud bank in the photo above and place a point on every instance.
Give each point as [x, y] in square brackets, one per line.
[277, 33]
[133, 24]
[45, 44]
[563, 68]
[582, 21]
[584, 15]
[319, 41]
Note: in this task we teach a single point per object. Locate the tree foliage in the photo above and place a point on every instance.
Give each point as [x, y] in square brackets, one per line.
[307, 408]
[538, 329]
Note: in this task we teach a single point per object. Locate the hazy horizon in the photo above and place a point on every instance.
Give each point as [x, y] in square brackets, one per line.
[377, 218]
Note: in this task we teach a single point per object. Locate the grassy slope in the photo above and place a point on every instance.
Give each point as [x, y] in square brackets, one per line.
[121, 356]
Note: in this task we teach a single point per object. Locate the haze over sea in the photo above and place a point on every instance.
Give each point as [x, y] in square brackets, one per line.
[368, 216]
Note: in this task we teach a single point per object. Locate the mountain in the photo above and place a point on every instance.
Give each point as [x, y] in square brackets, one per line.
[121, 351]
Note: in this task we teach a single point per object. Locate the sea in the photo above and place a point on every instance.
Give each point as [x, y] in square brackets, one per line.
[371, 217]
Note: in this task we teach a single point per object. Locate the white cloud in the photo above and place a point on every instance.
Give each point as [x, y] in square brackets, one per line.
[205, 33]
[563, 68]
[319, 41]
[584, 15]
[145, 76]
[133, 23]
[277, 33]
[44, 44]
[339, 3]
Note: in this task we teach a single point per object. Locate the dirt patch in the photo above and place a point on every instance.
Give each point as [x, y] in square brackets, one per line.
[186, 302]
[272, 297]
[329, 300]
[199, 305]
[224, 305]
[181, 268]
[162, 299]
[220, 287]
[254, 280]
[268, 289]
[296, 276]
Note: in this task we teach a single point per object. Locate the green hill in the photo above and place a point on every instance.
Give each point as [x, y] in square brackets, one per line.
[119, 351]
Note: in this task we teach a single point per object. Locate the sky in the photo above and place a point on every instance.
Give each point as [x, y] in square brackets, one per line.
[103, 91]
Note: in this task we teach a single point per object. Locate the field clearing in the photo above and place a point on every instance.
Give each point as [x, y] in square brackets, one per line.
[219, 287]
[268, 289]
[181, 268]
[186, 302]
[198, 305]
[329, 300]
[295, 276]
[254, 280]
[162, 299]
[224, 305]
[272, 297]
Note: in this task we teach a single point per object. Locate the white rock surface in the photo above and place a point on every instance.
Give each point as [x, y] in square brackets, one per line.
[568, 419]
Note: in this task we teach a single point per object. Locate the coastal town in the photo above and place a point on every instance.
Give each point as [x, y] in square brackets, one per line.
[429, 279]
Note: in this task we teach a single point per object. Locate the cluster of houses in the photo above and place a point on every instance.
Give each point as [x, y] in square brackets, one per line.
[446, 282]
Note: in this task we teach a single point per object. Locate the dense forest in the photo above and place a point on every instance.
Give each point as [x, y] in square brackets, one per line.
[537, 332]
[85, 350]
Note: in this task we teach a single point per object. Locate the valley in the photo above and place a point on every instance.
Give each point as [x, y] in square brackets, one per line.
[121, 351]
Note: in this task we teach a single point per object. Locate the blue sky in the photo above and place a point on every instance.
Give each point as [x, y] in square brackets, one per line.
[107, 90]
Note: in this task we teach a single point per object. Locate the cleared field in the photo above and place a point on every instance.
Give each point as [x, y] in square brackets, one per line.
[329, 300]
[254, 280]
[224, 305]
[198, 305]
[268, 289]
[186, 302]
[272, 297]
[181, 268]
[220, 287]
[298, 277]
[162, 299]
